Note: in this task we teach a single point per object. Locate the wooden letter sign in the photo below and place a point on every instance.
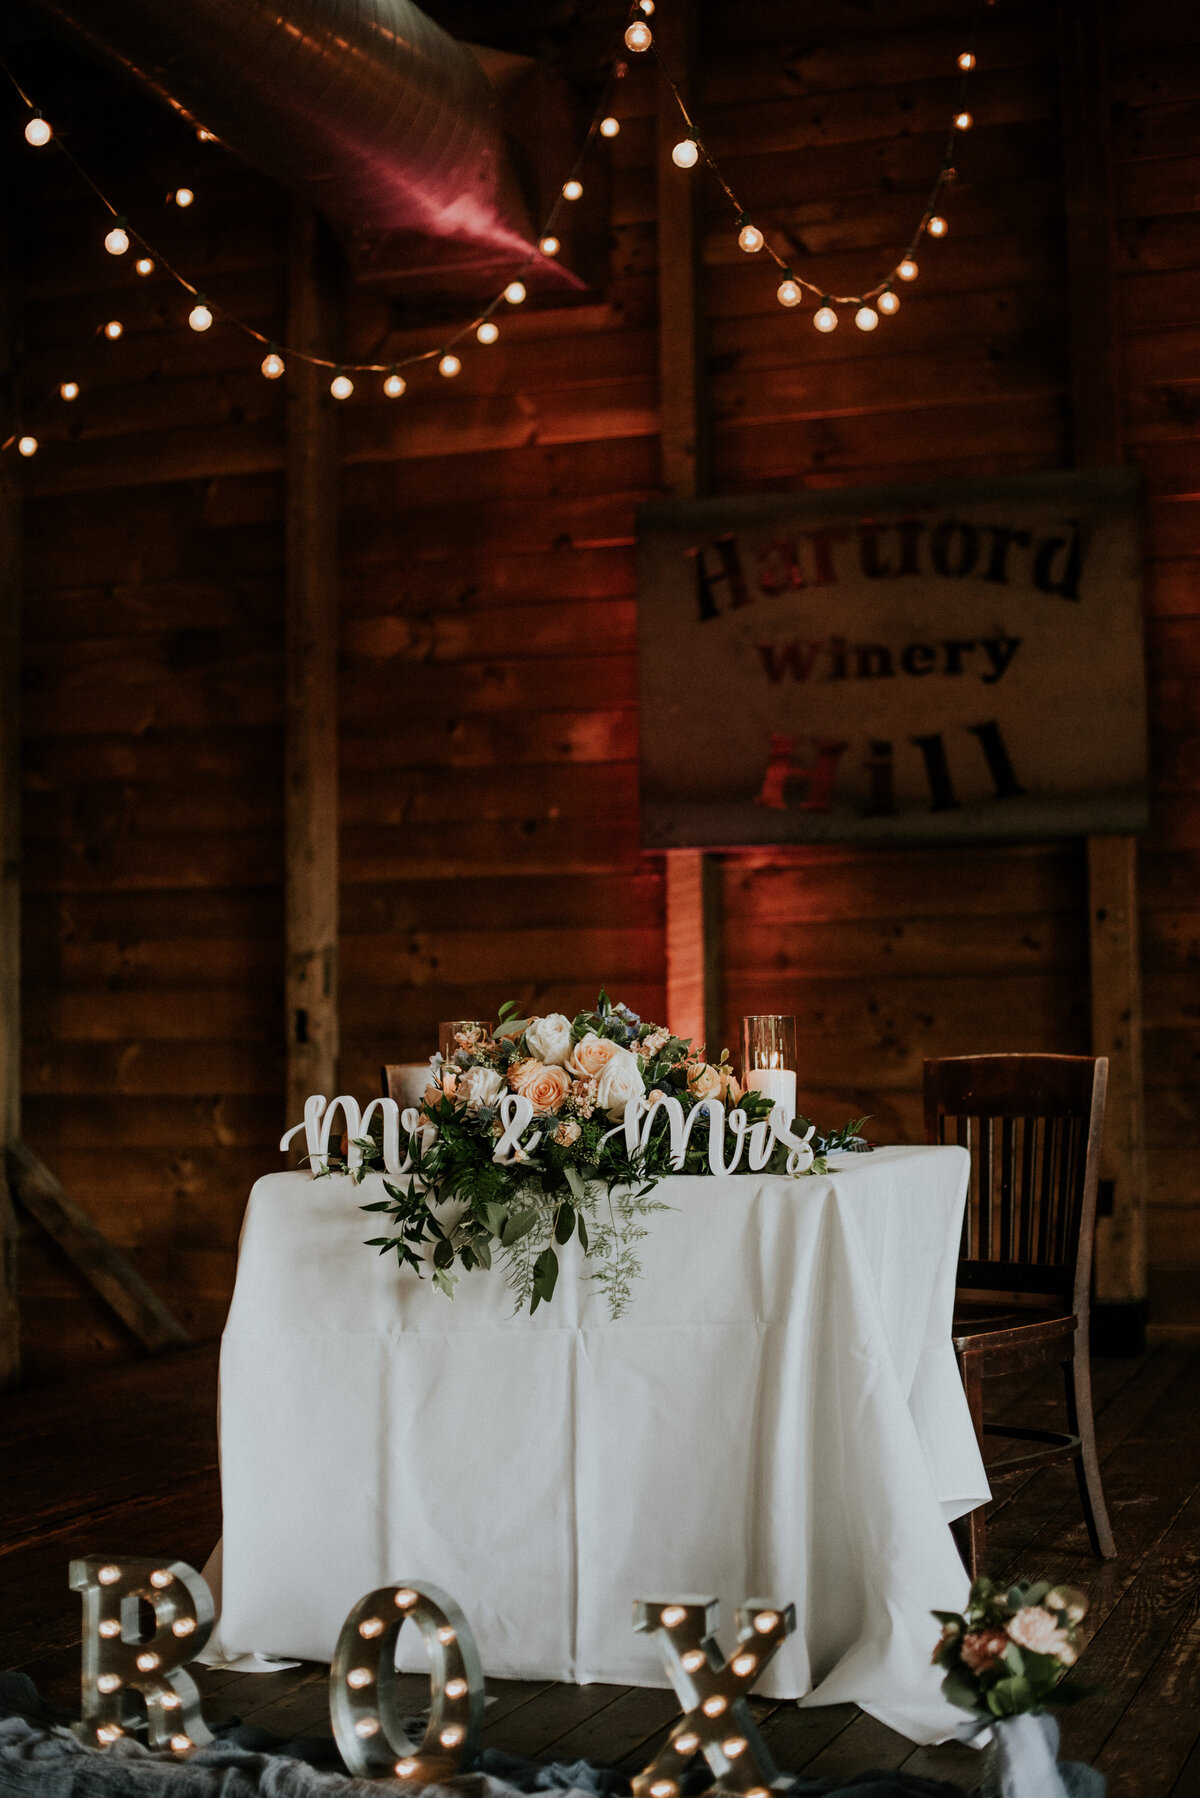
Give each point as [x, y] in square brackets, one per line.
[953, 660]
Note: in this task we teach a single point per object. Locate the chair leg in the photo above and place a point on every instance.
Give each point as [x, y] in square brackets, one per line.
[1080, 1421]
[976, 1521]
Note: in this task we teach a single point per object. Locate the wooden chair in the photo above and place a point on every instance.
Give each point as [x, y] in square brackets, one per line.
[1032, 1125]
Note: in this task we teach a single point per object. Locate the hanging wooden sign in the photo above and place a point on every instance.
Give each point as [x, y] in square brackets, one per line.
[962, 659]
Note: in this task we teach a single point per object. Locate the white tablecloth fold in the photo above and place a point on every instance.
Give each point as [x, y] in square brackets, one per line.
[778, 1415]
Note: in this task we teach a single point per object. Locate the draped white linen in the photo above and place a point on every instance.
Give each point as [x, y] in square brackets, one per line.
[778, 1415]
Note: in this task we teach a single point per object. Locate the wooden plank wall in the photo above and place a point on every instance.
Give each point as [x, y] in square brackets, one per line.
[489, 828]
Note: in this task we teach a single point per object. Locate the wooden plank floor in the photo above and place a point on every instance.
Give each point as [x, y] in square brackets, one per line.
[127, 1463]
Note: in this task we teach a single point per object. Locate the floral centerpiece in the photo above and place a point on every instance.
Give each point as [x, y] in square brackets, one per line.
[577, 1174]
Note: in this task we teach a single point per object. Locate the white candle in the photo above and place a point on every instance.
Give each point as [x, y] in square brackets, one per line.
[779, 1084]
[415, 1076]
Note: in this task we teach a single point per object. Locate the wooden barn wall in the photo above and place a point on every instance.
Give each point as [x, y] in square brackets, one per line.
[487, 675]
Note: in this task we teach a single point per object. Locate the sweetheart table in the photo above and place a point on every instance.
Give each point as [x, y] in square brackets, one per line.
[777, 1415]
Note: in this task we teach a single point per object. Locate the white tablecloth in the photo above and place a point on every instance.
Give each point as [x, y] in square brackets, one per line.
[778, 1415]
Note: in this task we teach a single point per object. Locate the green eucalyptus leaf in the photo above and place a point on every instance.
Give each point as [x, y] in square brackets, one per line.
[564, 1226]
[519, 1224]
[581, 1223]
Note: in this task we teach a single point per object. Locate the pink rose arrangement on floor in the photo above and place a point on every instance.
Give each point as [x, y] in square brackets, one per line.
[1010, 1650]
[574, 1173]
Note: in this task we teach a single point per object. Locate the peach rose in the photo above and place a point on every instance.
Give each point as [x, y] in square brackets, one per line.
[591, 1055]
[544, 1087]
[983, 1648]
[731, 1090]
[704, 1081]
[567, 1133]
[1038, 1630]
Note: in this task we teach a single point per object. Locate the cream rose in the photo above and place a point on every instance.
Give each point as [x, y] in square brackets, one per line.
[592, 1053]
[1038, 1630]
[479, 1086]
[550, 1038]
[567, 1133]
[704, 1082]
[544, 1087]
[620, 1080]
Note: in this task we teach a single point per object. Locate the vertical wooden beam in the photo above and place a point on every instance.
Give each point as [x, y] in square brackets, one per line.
[1120, 1281]
[310, 721]
[10, 790]
[693, 879]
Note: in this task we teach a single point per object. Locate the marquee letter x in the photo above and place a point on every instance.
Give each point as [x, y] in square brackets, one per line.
[712, 1692]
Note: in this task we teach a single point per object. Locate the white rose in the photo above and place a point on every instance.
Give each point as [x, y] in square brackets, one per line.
[549, 1038]
[620, 1080]
[478, 1086]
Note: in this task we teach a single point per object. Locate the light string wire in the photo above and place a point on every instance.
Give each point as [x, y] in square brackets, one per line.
[617, 69]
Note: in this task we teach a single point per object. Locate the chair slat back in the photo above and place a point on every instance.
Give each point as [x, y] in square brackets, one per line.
[1032, 1125]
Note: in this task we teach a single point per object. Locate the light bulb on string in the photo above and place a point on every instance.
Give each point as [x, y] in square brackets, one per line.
[38, 131]
[937, 226]
[789, 292]
[341, 386]
[488, 331]
[963, 121]
[907, 270]
[117, 241]
[200, 318]
[638, 36]
[750, 238]
[572, 190]
[966, 62]
[395, 385]
[514, 293]
[27, 446]
[549, 245]
[183, 196]
[686, 153]
[825, 318]
[887, 302]
[144, 265]
[206, 137]
[647, 7]
[610, 127]
[449, 366]
[272, 364]
[69, 390]
[113, 329]
[866, 318]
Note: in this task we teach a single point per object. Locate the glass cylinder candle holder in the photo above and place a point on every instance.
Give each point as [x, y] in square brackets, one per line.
[449, 1033]
[769, 1058]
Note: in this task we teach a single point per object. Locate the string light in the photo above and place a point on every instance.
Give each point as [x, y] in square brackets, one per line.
[38, 131]
[572, 190]
[647, 7]
[788, 292]
[866, 318]
[937, 226]
[27, 446]
[206, 137]
[449, 366]
[750, 238]
[963, 121]
[638, 36]
[514, 293]
[117, 241]
[200, 318]
[888, 302]
[488, 331]
[686, 153]
[69, 390]
[272, 364]
[610, 127]
[183, 196]
[907, 270]
[395, 385]
[549, 245]
[144, 265]
[966, 62]
[113, 329]
[341, 386]
[825, 318]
